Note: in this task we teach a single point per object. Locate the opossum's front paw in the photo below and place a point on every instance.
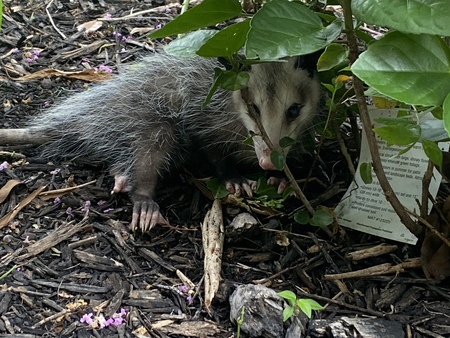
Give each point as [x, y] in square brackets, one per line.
[121, 184]
[240, 186]
[280, 183]
[146, 214]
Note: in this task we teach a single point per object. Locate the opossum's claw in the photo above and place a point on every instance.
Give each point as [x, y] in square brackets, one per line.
[280, 183]
[241, 186]
[146, 215]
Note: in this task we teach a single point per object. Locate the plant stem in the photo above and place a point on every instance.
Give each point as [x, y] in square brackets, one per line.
[365, 119]
[185, 6]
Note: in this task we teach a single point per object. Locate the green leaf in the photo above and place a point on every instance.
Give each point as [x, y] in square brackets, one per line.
[314, 305]
[301, 217]
[392, 121]
[367, 38]
[311, 303]
[365, 170]
[215, 85]
[287, 28]
[287, 193]
[446, 113]
[305, 307]
[321, 218]
[264, 189]
[288, 312]
[334, 54]
[278, 159]
[288, 295]
[227, 42]
[230, 80]
[286, 142]
[398, 134]
[414, 69]
[416, 17]
[217, 188]
[207, 13]
[189, 44]
[438, 111]
[330, 87]
[433, 152]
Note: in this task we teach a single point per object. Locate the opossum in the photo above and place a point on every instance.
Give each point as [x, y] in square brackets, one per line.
[148, 120]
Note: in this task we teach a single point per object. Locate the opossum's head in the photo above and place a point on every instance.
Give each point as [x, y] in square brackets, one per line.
[286, 97]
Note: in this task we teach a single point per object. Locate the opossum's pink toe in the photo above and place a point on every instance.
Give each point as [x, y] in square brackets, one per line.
[240, 188]
[146, 215]
[233, 188]
[280, 183]
[248, 189]
[121, 184]
[266, 164]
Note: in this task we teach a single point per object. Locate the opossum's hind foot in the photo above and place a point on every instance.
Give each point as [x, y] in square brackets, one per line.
[146, 214]
[278, 182]
[240, 186]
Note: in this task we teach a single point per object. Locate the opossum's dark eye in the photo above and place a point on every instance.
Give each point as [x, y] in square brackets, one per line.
[255, 107]
[293, 111]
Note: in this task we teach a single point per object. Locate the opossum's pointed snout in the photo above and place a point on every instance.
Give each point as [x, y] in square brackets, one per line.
[266, 163]
[263, 153]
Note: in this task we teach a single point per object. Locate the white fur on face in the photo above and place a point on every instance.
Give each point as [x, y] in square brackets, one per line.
[273, 88]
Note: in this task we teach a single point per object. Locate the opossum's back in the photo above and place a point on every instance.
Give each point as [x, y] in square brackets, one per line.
[144, 100]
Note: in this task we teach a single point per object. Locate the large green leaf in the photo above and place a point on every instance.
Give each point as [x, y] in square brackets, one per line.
[416, 17]
[414, 69]
[286, 28]
[227, 42]
[189, 44]
[207, 13]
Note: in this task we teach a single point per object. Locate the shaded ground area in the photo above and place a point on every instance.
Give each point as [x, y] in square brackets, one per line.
[64, 259]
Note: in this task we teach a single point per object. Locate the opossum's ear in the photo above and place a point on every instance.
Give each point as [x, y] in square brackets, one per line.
[309, 62]
[225, 63]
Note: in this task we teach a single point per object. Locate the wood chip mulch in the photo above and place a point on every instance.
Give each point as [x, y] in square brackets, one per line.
[65, 261]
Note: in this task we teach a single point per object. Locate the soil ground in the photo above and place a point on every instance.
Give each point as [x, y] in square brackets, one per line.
[59, 265]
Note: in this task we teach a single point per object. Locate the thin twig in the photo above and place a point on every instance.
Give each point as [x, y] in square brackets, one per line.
[430, 227]
[51, 20]
[151, 10]
[425, 189]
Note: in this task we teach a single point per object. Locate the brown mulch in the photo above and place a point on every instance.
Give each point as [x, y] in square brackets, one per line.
[61, 260]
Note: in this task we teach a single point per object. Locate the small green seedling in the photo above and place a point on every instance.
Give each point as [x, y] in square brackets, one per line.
[7, 273]
[239, 321]
[296, 305]
[321, 218]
